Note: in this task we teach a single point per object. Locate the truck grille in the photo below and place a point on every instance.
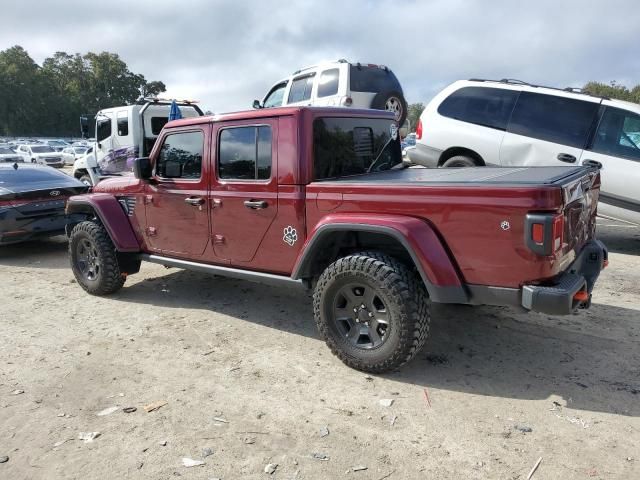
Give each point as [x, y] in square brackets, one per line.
[52, 159]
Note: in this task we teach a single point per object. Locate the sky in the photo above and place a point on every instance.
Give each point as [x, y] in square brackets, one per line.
[227, 53]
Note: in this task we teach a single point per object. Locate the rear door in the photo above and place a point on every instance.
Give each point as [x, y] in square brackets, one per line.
[301, 90]
[548, 129]
[176, 196]
[244, 194]
[473, 117]
[616, 148]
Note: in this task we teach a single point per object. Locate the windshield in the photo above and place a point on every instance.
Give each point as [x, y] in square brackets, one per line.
[42, 149]
[80, 150]
[354, 146]
[59, 143]
[6, 151]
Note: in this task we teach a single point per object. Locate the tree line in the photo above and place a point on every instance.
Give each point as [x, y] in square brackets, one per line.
[48, 100]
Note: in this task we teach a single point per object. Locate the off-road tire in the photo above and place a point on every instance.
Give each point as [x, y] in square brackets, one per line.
[460, 161]
[404, 296]
[108, 278]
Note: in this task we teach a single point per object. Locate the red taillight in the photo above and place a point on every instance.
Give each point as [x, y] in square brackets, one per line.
[419, 130]
[544, 233]
[537, 233]
[558, 232]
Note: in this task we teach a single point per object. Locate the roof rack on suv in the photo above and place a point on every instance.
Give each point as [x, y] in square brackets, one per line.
[513, 81]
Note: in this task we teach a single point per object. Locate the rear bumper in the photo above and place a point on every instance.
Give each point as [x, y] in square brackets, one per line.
[423, 155]
[14, 228]
[558, 298]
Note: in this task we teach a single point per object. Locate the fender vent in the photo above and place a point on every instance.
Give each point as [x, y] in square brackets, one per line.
[128, 204]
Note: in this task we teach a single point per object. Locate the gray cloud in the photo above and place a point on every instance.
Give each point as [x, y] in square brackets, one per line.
[226, 53]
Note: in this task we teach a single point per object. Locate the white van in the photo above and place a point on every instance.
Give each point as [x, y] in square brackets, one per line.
[123, 134]
[512, 123]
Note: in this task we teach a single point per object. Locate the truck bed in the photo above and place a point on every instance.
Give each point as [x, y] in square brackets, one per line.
[494, 176]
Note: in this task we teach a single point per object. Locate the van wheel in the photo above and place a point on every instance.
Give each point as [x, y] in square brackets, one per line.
[94, 261]
[392, 102]
[460, 161]
[372, 311]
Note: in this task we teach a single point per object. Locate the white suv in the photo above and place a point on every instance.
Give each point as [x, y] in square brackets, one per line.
[341, 84]
[512, 123]
[39, 153]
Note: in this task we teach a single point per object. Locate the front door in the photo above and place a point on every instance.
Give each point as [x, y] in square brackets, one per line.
[244, 194]
[176, 196]
[104, 143]
[615, 149]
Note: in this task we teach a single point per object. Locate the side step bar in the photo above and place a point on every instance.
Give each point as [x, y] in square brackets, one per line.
[258, 277]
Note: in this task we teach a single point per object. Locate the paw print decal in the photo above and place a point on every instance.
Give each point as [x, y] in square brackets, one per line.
[290, 235]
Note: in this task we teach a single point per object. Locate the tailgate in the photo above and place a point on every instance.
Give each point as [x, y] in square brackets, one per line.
[563, 233]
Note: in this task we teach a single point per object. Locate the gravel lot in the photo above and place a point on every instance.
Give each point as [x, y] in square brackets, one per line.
[244, 374]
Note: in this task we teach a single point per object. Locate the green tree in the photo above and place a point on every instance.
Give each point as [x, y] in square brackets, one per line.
[414, 110]
[613, 90]
[49, 100]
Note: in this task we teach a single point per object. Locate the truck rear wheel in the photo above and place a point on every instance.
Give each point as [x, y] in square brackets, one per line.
[372, 311]
[94, 260]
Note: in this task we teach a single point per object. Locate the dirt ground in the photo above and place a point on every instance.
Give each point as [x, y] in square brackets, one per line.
[244, 374]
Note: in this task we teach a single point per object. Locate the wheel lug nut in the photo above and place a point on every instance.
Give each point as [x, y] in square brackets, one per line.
[370, 314]
[363, 306]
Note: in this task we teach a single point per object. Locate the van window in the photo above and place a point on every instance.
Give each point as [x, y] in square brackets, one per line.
[244, 153]
[103, 128]
[489, 107]
[618, 134]
[275, 96]
[373, 79]
[123, 124]
[181, 156]
[301, 89]
[353, 146]
[328, 83]
[562, 120]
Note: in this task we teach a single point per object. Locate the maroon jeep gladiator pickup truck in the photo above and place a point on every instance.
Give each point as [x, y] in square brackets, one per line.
[319, 197]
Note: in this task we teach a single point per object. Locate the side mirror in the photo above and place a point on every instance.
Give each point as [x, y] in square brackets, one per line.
[257, 104]
[142, 168]
[172, 169]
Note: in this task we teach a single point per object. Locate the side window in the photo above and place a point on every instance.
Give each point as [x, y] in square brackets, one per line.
[618, 134]
[328, 83]
[562, 120]
[157, 123]
[123, 123]
[489, 107]
[244, 153]
[301, 89]
[276, 96]
[103, 128]
[181, 156]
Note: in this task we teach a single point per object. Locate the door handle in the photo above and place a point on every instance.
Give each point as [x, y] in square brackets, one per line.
[592, 163]
[255, 204]
[195, 201]
[565, 157]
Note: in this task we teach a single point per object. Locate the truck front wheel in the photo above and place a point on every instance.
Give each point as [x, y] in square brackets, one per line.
[372, 311]
[94, 260]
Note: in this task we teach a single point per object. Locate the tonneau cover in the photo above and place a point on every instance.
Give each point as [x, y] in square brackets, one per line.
[498, 176]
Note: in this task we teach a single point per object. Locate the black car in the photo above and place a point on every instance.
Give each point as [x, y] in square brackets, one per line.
[32, 201]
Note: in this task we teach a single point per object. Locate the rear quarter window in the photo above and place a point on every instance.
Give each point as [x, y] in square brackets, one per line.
[488, 107]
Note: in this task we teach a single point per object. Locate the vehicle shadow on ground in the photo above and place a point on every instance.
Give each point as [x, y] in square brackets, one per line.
[48, 252]
[488, 351]
[619, 239]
